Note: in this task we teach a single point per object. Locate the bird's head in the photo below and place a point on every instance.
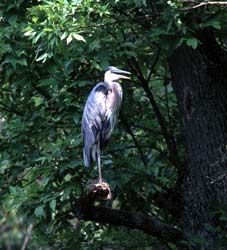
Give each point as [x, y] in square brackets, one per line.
[113, 74]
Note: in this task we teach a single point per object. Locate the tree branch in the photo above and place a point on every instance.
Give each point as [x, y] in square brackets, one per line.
[86, 210]
[153, 65]
[171, 145]
[9, 109]
[117, 245]
[41, 91]
[169, 138]
[129, 131]
[170, 141]
[199, 5]
[134, 220]
[27, 237]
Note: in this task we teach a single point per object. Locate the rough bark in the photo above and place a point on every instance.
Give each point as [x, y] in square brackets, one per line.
[86, 210]
[200, 83]
[134, 220]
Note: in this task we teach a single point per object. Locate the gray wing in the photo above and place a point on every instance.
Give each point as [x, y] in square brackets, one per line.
[94, 121]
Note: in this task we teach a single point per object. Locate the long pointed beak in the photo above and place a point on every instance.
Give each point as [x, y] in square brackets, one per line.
[124, 77]
[120, 72]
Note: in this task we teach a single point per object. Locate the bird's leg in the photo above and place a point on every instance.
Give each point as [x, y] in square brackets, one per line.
[99, 162]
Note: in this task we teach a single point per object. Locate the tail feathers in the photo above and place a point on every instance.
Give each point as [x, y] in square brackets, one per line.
[89, 155]
[87, 158]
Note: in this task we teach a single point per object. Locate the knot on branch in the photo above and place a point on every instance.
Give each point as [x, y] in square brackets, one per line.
[93, 191]
[96, 190]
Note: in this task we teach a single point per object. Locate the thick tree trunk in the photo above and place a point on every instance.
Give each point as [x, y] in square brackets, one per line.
[200, 83]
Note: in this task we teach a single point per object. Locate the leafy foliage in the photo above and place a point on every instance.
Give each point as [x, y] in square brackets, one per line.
[52, 53]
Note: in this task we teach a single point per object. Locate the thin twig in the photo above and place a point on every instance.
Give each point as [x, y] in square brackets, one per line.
[170, 141]
[129, 131]
[9, 109]
[153, 65]
[132, 244]
[199, 5]
[27, 237]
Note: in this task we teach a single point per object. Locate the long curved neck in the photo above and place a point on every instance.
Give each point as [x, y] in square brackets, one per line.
[110, 83]
[109, 78]
[117, 86]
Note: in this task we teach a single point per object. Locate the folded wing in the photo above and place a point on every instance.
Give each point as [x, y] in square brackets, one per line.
[95, 123]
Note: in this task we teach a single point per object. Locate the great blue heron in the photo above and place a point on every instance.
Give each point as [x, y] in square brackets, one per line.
[100, 115]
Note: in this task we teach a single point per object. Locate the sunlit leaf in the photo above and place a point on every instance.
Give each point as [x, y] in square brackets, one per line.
[78, 37]
[69, 39]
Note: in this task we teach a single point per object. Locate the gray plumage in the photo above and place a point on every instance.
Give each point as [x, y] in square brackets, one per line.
[100, 114]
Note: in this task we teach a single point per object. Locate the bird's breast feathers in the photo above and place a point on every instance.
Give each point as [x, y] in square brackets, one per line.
[113, 102]
[103, 103]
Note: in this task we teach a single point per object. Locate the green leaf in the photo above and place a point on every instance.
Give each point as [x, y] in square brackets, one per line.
[94, 45]
[192, 42]
[38, 101]
[39, 211]
[52, 205]
[213, 23]
[14, 61]
[37, 37]
[42, 57]
[157, 32]
[42, 159]
[75, 2]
